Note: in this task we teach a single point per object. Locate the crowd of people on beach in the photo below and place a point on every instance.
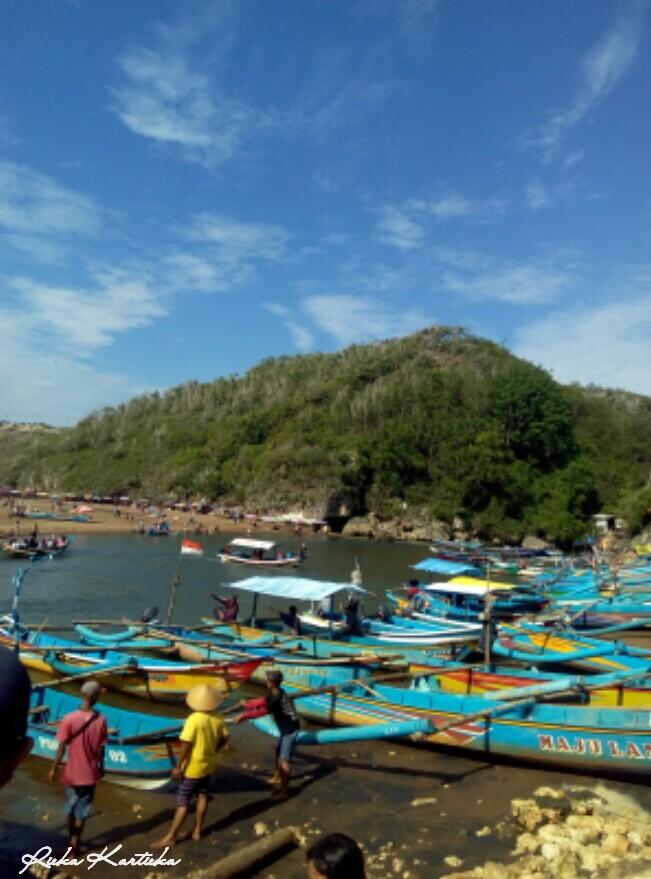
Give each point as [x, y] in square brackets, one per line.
[83, 734]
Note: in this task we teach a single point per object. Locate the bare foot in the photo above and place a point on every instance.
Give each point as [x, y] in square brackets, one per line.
[274, 779]
[165, 842]
[196, 834]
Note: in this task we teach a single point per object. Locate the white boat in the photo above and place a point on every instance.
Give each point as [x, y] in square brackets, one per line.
[259, 554]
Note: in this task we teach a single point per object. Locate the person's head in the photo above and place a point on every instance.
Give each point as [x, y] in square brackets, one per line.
[293, 610]
[335, 856]
[274, 678]
[204, 698]
[15, 691]
[91, 691]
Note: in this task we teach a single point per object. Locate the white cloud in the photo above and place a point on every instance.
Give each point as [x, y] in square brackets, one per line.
[399, 230]
[607, 345]
[599, 72]
[337, 91]
[192, 271]
[350, 319]
[480, 279]
[170, 91]
[41, 382]
[454, 206]
[537, 195]
[84, 320]
[231, 250]
[573, 158]
[414, 19]
[301, 336]
[241, 241]
[38, 215]
[405, 226]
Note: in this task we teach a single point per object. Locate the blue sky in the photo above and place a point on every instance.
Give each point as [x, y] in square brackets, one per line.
[186, 189]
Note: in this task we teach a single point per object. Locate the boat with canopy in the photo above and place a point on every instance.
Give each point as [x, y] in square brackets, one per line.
[349, 627]
[259, 553]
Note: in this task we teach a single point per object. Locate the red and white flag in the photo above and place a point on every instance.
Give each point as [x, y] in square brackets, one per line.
[191, 547]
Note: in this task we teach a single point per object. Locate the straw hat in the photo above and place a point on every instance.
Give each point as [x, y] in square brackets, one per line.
[203, 698]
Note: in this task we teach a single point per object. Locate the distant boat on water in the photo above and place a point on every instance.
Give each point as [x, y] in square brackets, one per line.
[260, 554]
[34, 547]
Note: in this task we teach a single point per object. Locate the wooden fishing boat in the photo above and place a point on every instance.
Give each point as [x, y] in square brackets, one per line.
[258, 554]
[147, 678]
[393, 631]
[30, 548]
[517, 724]
[244, 637]
[474, 680]
[466, 604]
[352, 629]
[141, 749]
[533, 644]
[295, 663]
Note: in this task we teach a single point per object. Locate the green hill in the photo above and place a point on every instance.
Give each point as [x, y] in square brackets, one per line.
[439, 424]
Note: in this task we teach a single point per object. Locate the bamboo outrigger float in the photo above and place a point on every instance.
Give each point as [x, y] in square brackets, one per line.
[520, 723]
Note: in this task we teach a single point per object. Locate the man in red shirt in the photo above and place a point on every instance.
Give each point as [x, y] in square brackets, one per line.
[83, 733]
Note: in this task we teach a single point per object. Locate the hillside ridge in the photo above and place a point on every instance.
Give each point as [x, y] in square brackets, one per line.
[436, 426]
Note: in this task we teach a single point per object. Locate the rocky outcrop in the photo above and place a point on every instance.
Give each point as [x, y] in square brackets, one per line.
[531, 542]
[394, 529]
[358, 526]
[574, 833]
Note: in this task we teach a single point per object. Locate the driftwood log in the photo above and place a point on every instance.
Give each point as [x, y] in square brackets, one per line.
[249, 856]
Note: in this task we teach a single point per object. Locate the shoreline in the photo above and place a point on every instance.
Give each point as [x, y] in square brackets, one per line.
[104, 520]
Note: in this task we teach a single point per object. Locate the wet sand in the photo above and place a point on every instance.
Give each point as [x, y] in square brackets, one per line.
[364, 789]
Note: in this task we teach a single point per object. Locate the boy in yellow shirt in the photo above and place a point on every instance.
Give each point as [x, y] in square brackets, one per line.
[204, 734]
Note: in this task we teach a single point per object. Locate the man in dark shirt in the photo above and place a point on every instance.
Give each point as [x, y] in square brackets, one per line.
[279, 704]
[15, 691]
[291, 621]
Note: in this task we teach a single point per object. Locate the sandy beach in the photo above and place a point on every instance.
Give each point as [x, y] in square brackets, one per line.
[105, 520]
[409, 806]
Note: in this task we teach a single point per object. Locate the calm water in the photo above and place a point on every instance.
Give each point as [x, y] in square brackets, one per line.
[107, 577]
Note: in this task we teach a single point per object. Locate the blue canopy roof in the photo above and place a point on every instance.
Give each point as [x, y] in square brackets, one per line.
[441, 566]
[299, 588]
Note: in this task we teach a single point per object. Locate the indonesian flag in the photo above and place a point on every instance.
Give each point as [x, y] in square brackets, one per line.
[191, 547]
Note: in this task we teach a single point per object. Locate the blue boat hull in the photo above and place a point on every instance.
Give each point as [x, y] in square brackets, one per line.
[145, 764]
[571, 737]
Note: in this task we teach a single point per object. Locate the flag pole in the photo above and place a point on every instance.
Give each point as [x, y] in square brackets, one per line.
[175, 585]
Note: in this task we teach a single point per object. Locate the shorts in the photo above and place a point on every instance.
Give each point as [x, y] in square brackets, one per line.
[286, 745]
[191, 787]
[79, 801]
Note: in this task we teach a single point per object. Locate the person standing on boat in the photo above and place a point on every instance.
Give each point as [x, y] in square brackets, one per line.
[352, 615]
[83, 734]
[280, 705]
[291, 621]
[229, 609]
[203, 736]
[15, 692]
